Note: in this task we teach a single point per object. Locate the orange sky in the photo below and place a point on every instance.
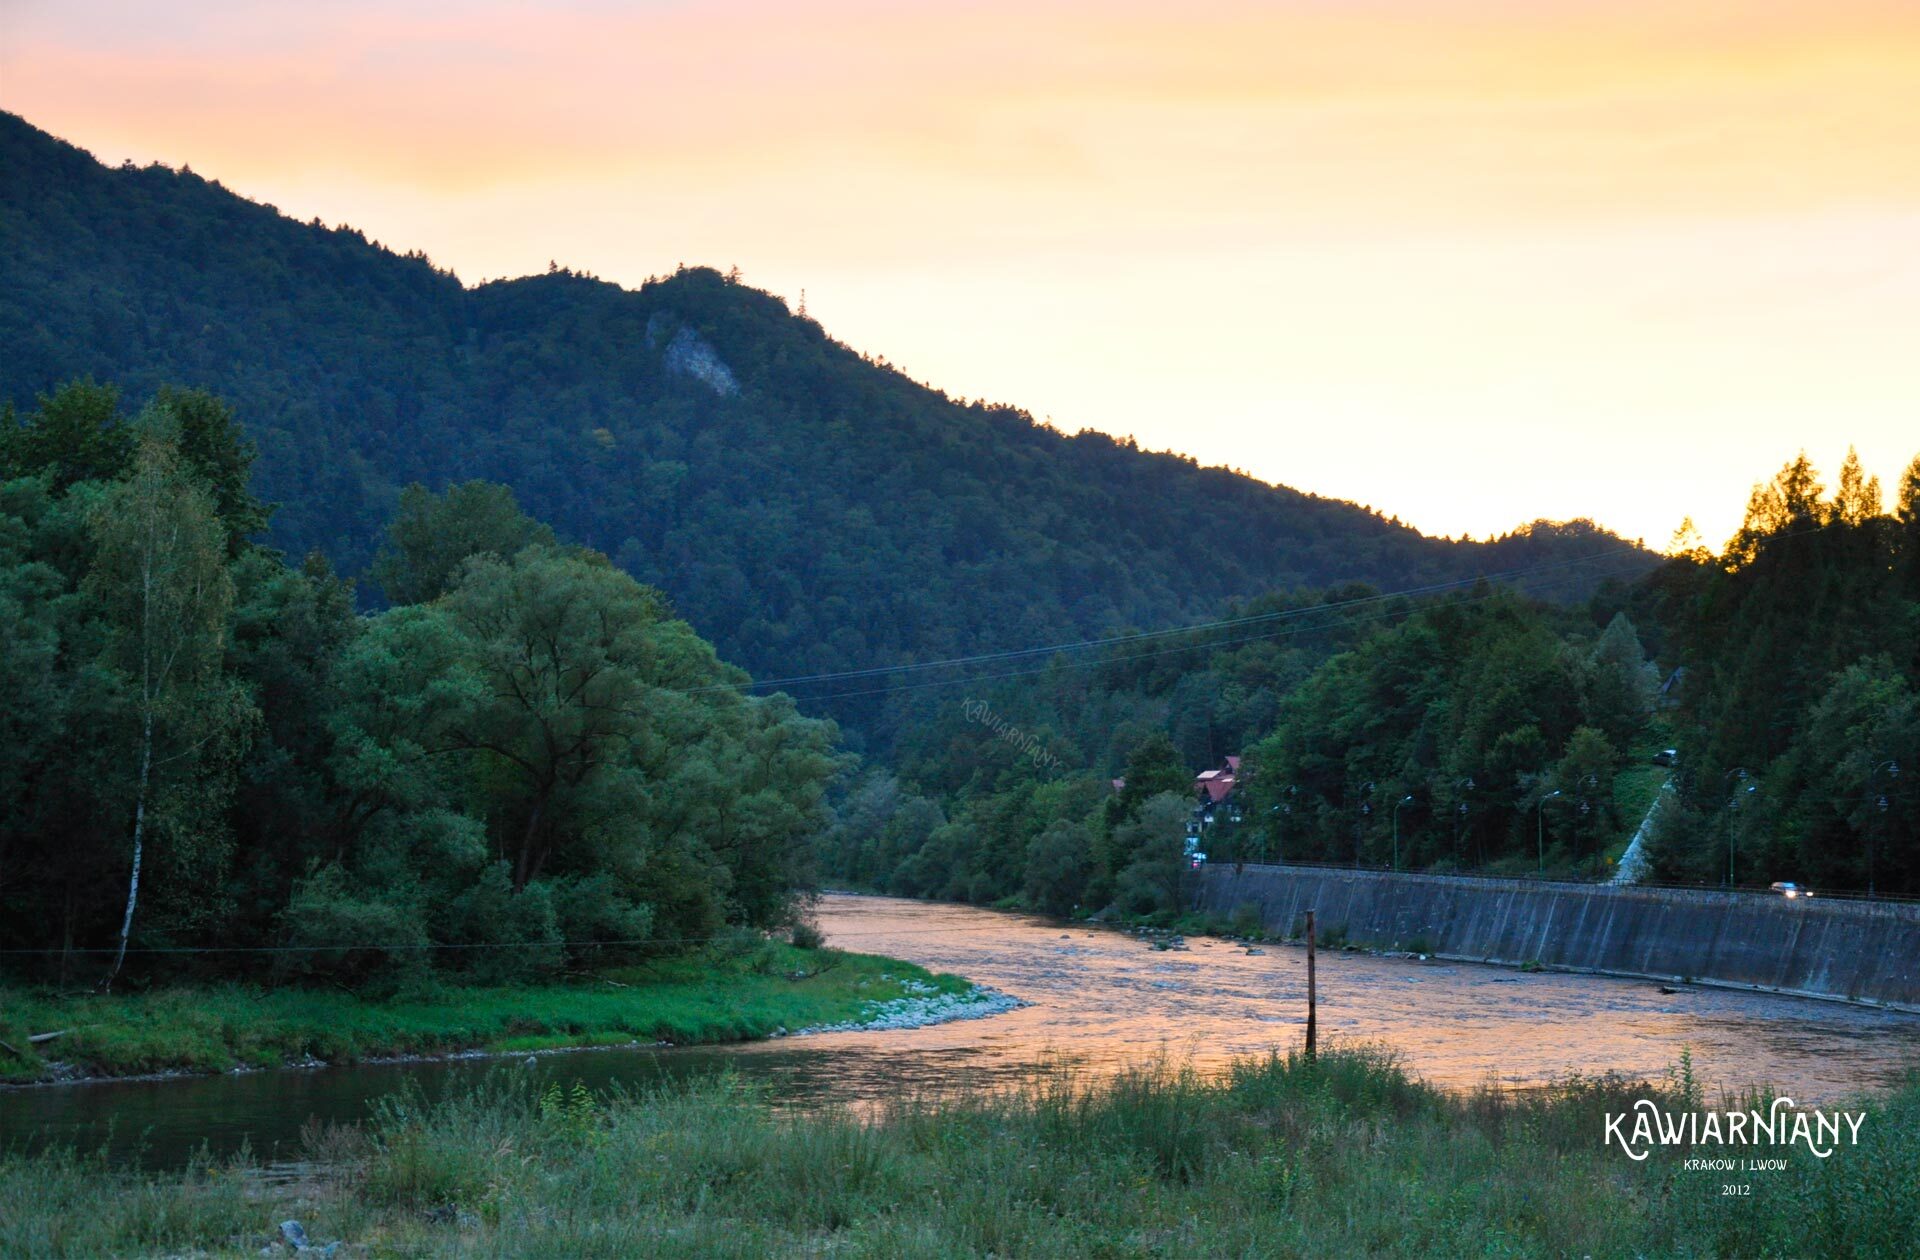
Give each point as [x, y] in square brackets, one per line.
[1469, 261]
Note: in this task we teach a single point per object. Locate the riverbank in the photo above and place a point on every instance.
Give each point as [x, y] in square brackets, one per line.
[767, 990]
[1344, 1156]
[1865, 952]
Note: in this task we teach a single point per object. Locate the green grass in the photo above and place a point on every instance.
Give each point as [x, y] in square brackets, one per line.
[1634, 791]
[712, 997]
[1638, 785]
[1341, 1157]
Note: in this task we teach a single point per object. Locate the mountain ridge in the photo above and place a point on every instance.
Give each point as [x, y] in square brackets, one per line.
[803, 504]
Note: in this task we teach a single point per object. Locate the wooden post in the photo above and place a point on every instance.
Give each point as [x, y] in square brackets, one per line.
[1311, 996]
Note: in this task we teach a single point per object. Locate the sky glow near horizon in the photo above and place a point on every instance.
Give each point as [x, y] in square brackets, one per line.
[1470, 262]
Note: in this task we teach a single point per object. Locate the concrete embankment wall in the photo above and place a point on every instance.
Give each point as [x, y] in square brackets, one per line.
[1858, 951]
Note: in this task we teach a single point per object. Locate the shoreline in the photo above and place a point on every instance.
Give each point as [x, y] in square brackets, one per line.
[229, 1029]
[979, 1001]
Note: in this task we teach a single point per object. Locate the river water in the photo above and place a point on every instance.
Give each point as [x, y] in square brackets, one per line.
[1099, 1000]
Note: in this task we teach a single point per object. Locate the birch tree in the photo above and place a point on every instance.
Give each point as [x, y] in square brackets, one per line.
[160, 580]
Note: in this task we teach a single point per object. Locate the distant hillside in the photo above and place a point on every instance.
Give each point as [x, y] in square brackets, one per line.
[805, 507]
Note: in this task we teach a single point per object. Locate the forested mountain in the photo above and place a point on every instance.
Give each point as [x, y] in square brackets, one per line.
[803, 506]
[336, 778]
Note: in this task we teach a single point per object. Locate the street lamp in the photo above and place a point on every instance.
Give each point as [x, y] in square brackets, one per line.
[1402, 802]
[1366, 810]
[1540, 828]
[1739, 774]
[1285, 809]
[1461, 811]
[1589, 783]
[1893, 772]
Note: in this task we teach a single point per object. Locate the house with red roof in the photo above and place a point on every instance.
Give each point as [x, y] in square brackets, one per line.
[1216, 790]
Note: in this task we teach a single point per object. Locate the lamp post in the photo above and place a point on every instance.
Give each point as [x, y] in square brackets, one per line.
[1739, 775]
[1540, 828]
[1283, 808]
[1403, 801]
[1460, 813]
[1366, 810]
[1893, 772]
[1589, 784]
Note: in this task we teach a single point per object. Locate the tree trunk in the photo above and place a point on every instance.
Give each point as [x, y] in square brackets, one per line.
[66, 934]
[139, 835]
[523, 869]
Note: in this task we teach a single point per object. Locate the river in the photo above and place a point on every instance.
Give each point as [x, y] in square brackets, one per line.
[1098, 1000]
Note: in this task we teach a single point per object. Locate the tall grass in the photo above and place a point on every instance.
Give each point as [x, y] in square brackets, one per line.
[1340, 1156]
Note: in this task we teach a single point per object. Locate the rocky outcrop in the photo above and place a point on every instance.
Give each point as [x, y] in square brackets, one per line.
[689, 355]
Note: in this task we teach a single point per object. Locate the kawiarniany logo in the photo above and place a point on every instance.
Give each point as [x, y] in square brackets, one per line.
[1646, 1126]
[981, 711]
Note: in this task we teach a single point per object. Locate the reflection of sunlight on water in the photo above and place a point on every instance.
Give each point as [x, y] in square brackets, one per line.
[1111, 1000]
[1100, 1001]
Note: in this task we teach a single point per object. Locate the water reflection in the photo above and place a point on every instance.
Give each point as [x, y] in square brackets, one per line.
[1099, 1000]
[1104, 999]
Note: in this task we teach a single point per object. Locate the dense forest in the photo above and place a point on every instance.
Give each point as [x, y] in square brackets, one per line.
[1801, 643]
[1366, 722]
[1468, 730]
[803, 507]
[207, 749]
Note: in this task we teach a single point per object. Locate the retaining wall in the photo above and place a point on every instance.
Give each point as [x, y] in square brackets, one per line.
[1857, 951]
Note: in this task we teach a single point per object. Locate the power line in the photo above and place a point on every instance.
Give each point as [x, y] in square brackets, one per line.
[1198, 627]
[1505, 575]
[1623, 551]
[1053, 666]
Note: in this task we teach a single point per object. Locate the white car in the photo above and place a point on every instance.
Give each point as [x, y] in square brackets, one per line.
[1790, 890]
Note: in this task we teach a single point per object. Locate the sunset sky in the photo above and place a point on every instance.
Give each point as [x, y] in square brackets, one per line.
[1471, 262]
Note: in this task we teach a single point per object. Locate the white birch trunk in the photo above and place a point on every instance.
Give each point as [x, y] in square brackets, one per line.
[149, 544]
[139, 836]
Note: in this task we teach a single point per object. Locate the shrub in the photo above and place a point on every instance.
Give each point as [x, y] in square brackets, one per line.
[595, 908]
[348, 937]
[519, 931]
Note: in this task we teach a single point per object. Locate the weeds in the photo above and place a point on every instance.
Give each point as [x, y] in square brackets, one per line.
[1341, 1155]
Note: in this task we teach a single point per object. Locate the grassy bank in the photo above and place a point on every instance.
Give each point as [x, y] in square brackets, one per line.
[734, 995]
[1342, 1157]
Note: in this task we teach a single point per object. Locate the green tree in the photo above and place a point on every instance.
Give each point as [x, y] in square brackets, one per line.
[1157, 877]
[1153, 768]
[76, 434]
[1617, 683]
[571, 669]
[399, 693]
[432, 535]
[1862, 738]
[213, 446]
[1058, 866]
[161, 582]
[35, 713]
[1584, 778]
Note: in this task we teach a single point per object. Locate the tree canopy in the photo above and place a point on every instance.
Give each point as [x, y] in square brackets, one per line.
[210, 748]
